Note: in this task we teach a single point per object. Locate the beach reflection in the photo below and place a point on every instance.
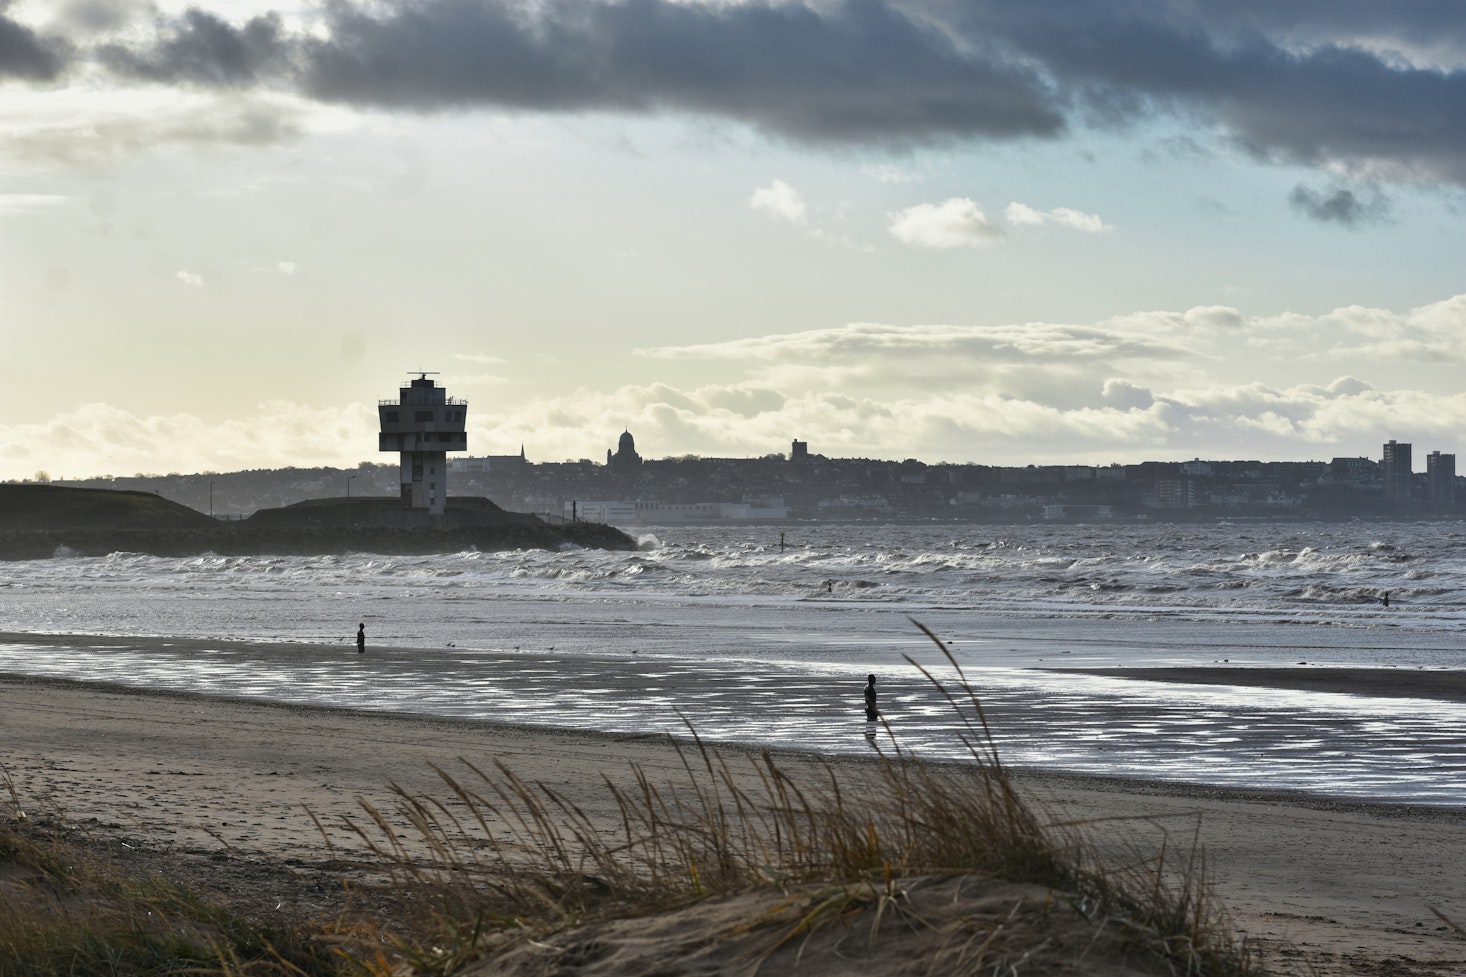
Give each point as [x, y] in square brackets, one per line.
[1355, 746]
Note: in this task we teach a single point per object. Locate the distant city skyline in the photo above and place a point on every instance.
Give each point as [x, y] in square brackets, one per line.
[1060, 232]
[1394, 456]
[627, 488]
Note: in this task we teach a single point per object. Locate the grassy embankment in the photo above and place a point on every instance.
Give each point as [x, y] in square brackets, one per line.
[899, 863]
[41, 521]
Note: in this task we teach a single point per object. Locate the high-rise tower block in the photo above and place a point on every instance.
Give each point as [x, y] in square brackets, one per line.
[423, 426]
[1397, 472]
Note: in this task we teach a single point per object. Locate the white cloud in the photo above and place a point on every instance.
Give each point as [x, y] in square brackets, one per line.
[983, 424]
[1124, 395]
[1022, 215]
[779, 199]
[96, 439]
[954, 223]
[25, 203]
[782, 202]
[886, 173]
[285, 267]
[1348, 387]
[861, 341]
[190, 278]
[1151, 385]
[980, 425]
[91, 126]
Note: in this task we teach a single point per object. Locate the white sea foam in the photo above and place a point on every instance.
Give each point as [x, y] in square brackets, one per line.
[758, 643]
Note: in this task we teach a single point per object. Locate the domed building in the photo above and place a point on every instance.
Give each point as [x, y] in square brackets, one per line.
[625, 461]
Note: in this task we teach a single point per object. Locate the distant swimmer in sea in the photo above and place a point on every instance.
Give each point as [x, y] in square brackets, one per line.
[872, 714]
[361, 639]
[1385, 600]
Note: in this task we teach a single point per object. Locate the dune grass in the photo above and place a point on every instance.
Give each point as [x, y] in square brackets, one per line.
[497, 863]
[66, 910]
[499, 860]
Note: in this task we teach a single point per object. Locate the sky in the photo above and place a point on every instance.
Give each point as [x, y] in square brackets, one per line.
[1007, 233]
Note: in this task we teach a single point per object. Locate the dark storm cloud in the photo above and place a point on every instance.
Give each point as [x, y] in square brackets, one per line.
[1340, 206]
[206, 50]
[1306, 98]
[1423, 24]
[1351, 83]
[859, 72]
[26, 55]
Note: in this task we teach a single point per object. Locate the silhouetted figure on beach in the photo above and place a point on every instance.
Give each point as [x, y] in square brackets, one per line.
[1385, 600]
[361, 639]
[872, 714]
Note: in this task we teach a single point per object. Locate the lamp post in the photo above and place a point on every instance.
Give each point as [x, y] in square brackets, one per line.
[348, 485]
[211, 500]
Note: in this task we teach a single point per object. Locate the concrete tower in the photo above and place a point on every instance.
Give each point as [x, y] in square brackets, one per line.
[423, 426]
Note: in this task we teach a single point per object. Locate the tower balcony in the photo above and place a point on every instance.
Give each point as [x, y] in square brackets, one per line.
[422, 441]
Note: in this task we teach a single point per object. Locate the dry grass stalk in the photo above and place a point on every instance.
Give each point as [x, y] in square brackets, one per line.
[501, 864]
[66, 909]
[518, 861]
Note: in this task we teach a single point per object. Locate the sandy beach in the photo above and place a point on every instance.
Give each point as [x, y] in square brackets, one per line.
[217, 792]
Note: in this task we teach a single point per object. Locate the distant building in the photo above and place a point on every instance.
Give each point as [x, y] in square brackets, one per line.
[614, 513]
[1196, 468]
[1354, 471]
[628, 513]
[489, 463]
[1440, 476]
[1176, 493]
[625, 461]
[1397, 467]
[1065, 510]
[799, 451]
[423, 425]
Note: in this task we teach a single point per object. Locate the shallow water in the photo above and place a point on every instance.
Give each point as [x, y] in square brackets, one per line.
[720, 628]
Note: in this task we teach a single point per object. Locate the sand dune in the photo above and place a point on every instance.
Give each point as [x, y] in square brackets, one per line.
[217, 790]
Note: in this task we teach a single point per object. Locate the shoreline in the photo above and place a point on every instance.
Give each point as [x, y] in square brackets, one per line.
[1106, 736]
[1381, 681]
[1037, 777]
[216, 789]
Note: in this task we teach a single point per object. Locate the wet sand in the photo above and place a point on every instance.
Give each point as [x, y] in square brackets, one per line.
[1447, 685]
[1321, 886]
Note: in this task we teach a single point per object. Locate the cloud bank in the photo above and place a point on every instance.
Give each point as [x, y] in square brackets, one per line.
[1147, 386]
[1376, 91]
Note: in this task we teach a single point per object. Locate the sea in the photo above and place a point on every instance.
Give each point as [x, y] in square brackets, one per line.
[764, 635]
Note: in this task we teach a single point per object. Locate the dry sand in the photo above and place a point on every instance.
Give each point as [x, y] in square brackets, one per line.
[216, 792]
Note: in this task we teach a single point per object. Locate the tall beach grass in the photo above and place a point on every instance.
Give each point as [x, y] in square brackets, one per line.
[500, 861]
[811, 858]
[68, 910]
